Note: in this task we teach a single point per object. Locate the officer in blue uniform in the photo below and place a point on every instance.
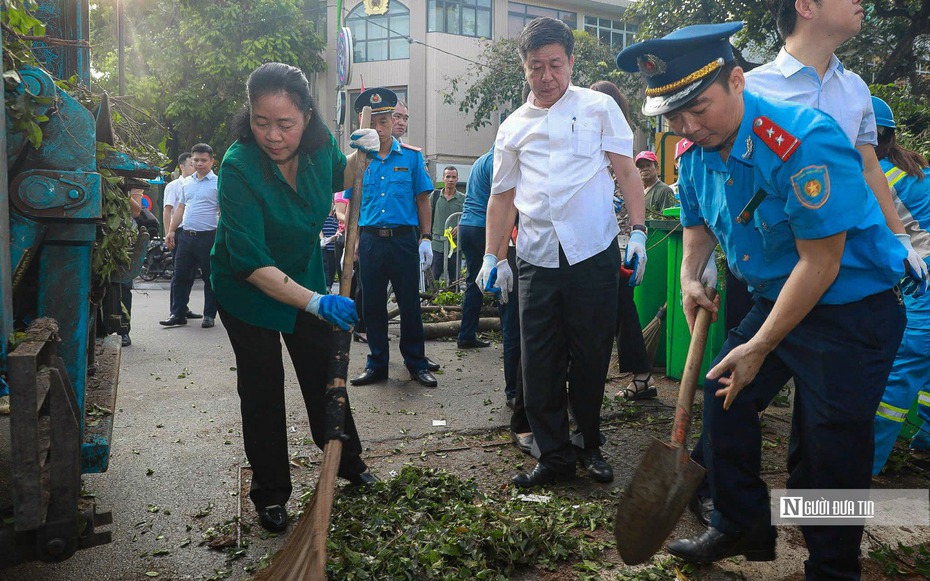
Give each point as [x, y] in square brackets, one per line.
[781, 189]
[909, 179]
[394, 239]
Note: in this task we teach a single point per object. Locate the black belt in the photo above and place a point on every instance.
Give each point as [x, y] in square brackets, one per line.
[389, 232]
[200, 233]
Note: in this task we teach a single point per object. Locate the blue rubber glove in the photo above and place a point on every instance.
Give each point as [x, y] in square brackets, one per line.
[636, 256]
[338, 310]
[488, 273]
[917, 275]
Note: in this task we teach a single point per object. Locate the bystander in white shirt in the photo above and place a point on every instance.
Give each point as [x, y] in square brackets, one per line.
[556, 159]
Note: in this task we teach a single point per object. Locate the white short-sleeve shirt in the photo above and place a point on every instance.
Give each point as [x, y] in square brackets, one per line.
[172, 193]
[556, 158]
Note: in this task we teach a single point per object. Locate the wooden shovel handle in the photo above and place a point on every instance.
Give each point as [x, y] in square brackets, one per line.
[689, 378]
[355, 204]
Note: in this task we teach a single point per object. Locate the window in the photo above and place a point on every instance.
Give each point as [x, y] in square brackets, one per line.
[382, 37]
[518, 15]
[401, 93]
[616, 34]
[462, 17]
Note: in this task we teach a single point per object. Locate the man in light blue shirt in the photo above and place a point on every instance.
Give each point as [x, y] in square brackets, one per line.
[807, 71]
[196, 216]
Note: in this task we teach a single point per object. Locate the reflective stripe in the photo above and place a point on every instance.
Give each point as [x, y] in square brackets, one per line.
[891, 413]
[894, 175]
[923, 398]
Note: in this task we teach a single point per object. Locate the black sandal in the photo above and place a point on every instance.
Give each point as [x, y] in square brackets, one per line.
[641, 389]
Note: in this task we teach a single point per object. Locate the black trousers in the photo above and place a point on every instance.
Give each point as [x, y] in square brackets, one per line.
[260, 383]
[631, 348]
[567, 314]
[840, 357]
[192, 252]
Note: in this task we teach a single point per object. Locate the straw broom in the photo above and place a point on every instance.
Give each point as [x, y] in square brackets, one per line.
[303, 557]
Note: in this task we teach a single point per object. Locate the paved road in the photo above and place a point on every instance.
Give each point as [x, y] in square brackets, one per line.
[177, 445]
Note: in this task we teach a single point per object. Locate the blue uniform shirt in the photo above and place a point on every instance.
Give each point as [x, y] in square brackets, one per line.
[475, 208]
[818, 192]
[391, 187]
[912, 201]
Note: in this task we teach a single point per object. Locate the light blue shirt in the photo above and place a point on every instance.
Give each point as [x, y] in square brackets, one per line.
[201, 210]
[818, 192]
[841, 94]
[391, 186]
[475, 209]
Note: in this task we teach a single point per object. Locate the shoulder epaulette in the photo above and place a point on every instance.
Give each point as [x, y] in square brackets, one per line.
[777, 139]
[413, 147]
[682, 147]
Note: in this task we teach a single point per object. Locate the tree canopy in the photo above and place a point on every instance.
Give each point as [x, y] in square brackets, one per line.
[187, 60]
[497, 83]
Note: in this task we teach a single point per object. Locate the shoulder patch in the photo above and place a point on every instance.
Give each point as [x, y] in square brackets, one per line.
[812, 186]
[682, 147]
[777, 139]
[413, 147]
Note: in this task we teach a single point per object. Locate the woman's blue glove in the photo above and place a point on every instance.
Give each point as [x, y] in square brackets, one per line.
[336, 309]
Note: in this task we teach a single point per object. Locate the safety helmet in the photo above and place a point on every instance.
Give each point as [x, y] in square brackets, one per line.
[883, 115]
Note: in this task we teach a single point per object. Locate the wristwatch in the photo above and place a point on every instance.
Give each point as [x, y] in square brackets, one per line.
[639, 227]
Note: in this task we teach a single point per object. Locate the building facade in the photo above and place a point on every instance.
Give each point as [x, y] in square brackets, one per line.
[417, 46]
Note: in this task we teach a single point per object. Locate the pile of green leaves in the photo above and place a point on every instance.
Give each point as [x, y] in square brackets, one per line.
[428, 524]
[903, 561]
[115, 235]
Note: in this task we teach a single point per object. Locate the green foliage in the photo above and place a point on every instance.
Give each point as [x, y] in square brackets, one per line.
[18, 20]
[426, 524]
[903, 561]
[447, 297]
[911, 114]
[115, 235]
[188, 60]
[497, 83]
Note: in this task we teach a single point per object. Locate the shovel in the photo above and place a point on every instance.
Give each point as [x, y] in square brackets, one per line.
[667, 478]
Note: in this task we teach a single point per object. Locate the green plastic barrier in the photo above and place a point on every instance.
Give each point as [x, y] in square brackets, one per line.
[678, 337]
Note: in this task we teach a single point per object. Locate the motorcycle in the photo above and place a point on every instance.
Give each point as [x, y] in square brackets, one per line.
[159, 261]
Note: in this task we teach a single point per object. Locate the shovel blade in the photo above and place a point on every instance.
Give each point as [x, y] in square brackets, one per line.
[651, 505]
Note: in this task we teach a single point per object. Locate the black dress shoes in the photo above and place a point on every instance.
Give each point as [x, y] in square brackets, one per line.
[542, 475]
[192, 315]
[173, 321]
[370, 376]
[207, 322]
[363, 479]
[702, 507]
[473, 344]
[713, 545]
[524, 443]
[424, 378]
[594, 463]
[273, 518]
[432, 365]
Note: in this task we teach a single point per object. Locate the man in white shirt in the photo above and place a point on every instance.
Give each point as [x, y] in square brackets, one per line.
[170, 202]
[193, 230]
[550, 164]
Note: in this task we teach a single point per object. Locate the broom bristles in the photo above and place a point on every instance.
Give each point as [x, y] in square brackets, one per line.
[303, 557]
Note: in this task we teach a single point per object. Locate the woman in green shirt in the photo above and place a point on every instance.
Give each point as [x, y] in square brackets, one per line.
[276, 187]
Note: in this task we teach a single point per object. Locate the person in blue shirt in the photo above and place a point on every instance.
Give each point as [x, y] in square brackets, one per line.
[907, 175]
[471, 241]
[781, 188]
[394, 239]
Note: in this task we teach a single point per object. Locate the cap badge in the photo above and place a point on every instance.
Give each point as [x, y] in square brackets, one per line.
[651, 65]
[375, 98]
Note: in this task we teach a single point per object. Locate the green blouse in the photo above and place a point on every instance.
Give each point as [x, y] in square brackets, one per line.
[264, 222]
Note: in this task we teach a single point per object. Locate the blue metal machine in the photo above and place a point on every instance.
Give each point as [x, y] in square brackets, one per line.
[50, 209]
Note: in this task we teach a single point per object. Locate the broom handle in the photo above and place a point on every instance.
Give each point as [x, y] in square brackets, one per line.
[689, 378]
[355, 204]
